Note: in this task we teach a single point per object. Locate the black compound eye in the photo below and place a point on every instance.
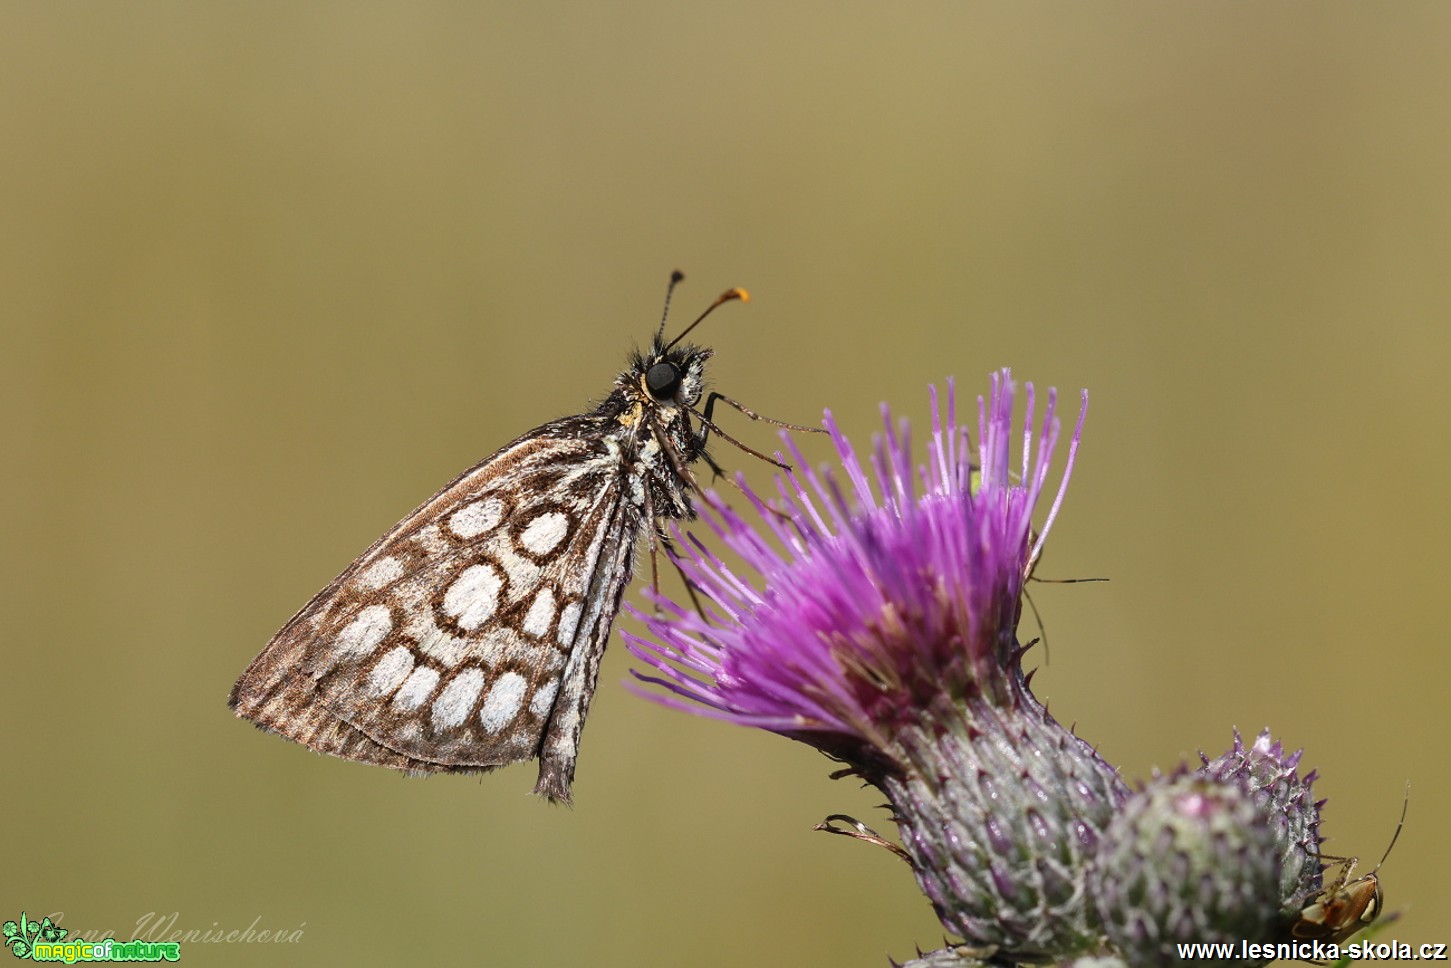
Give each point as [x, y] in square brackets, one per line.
[662, 380]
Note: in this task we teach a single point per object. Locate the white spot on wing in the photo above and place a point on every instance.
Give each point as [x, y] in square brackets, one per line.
[473, 596]
[503, 702]
[418, 687]
[568, 622]
[447, 650]
[523, 574]
[500, 647]
[541, 613]
[434, 642]
[457, 699]
[365, 631]
[384, 571]
[431, 539]
[543, 699]
[390, 671]
[545, 532]
[474, 519]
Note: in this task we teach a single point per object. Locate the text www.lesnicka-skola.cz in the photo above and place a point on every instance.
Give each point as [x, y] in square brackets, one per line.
[1315, 951]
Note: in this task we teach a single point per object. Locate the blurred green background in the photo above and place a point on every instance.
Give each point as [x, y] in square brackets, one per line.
[274, 272]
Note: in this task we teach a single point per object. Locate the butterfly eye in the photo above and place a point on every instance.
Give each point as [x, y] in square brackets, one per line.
[662, 380]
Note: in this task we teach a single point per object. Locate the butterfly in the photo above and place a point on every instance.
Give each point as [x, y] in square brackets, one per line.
[470, 635]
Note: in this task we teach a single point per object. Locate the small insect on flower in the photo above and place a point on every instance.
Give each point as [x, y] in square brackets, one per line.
[470, 635]
[1346, 906]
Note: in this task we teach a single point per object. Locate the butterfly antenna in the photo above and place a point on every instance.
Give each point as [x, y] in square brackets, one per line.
[721, 300]
[676, 278]
[1404, 805]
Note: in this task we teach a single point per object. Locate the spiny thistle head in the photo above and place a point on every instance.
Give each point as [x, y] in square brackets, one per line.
[1269, 775]
[876, 618]
[1186, 860]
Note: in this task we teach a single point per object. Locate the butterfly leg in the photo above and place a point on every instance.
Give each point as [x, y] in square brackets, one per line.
[714, 396]
[718, 473]
[707, 425]
[655, 539]
[674, 558]
[721, 475]
[658, 536]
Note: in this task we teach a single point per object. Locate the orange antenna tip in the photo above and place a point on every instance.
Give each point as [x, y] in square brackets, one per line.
[720, 300]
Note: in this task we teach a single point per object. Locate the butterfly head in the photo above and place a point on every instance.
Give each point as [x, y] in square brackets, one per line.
[672, 377]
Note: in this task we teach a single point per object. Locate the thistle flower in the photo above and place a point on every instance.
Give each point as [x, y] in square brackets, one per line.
[881, 627]
[877, 621]
[880, 606]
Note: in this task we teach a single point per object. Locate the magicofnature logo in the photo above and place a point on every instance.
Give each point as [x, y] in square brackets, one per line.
[45, 941]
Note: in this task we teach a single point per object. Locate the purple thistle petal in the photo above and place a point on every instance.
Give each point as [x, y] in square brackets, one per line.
[872, 598]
